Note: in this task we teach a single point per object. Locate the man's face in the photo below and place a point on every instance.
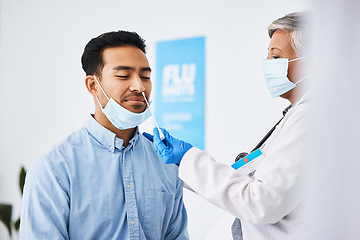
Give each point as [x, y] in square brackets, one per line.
[125, 75]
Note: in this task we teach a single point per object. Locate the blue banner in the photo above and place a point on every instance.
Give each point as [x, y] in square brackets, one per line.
[180, 88]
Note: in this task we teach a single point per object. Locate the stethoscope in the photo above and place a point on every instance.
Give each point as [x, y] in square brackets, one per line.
[263, 140]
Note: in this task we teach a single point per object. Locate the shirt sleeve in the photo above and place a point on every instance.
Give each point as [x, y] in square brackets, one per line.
[178, 223]
[45, 204]
[273, 192]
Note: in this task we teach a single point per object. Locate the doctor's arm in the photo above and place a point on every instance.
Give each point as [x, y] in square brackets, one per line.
[268, 197]
[249, 199]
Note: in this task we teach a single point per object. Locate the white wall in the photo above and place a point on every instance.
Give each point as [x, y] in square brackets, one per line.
[334, 162]
[43, 96]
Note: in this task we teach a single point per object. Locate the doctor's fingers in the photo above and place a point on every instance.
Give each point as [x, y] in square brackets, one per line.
[148, 136]
[160, 145]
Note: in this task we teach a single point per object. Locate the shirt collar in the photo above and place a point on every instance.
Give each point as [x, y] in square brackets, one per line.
[105, 137]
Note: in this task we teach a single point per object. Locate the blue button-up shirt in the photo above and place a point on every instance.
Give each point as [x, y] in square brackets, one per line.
[91, 187]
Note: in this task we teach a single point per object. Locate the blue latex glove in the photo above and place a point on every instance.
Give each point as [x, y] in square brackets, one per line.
[171, 149]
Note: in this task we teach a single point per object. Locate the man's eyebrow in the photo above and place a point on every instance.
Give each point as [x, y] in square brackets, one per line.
[119, 68]
[145, 69]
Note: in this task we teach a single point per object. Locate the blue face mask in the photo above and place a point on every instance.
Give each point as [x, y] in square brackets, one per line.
[275, 74]
[119, 116]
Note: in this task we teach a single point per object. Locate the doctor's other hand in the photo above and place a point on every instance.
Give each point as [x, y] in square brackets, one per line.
[171, 149]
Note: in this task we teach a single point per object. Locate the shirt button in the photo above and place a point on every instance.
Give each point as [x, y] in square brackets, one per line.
[128, 185]
[110, 148]
[132, 222]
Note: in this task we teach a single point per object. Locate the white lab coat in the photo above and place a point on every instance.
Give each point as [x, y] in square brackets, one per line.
[269, 204]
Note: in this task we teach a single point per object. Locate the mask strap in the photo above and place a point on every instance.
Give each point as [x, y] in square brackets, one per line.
[101, 89]
[300, 80]
[296, 59]
[99, 102]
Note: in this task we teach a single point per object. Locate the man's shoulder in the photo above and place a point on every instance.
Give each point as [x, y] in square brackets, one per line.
[71, 141]
[66, 147]
[56, 162]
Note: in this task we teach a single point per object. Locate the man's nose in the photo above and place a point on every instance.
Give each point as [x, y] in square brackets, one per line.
[136, 85]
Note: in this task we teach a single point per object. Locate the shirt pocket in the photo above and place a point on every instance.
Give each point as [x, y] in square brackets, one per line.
[158, 210]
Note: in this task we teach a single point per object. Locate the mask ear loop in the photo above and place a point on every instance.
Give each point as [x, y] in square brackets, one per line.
[300, 80]
[102, 91]
[295, 59]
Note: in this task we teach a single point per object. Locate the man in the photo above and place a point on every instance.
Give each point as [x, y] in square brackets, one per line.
[105, 181]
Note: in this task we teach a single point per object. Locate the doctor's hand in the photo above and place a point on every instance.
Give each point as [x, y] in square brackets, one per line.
[171, 149]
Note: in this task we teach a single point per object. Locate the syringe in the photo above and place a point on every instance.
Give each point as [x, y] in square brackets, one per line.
[162, 137]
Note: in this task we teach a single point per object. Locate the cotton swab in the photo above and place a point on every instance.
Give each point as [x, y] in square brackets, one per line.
[162, 137]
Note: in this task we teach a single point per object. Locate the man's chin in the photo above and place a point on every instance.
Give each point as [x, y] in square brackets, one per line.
[136, 109]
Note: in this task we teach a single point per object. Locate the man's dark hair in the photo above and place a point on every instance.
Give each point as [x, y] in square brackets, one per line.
[92, 58]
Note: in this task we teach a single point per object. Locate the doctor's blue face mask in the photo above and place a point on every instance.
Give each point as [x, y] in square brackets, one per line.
[275, 74]
[119, 116]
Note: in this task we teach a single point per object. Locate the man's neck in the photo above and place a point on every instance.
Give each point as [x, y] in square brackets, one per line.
[125, 135]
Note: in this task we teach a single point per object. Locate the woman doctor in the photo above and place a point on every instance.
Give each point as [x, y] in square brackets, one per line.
[267, 202]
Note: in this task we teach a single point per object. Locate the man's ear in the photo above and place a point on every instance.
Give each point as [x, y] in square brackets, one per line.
[91, 85]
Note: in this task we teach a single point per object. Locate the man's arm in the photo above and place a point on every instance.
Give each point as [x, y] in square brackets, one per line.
[45, 204]
[178, 223]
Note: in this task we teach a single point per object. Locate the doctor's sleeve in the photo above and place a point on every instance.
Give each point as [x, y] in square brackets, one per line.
[45, 204]
[274, 191]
